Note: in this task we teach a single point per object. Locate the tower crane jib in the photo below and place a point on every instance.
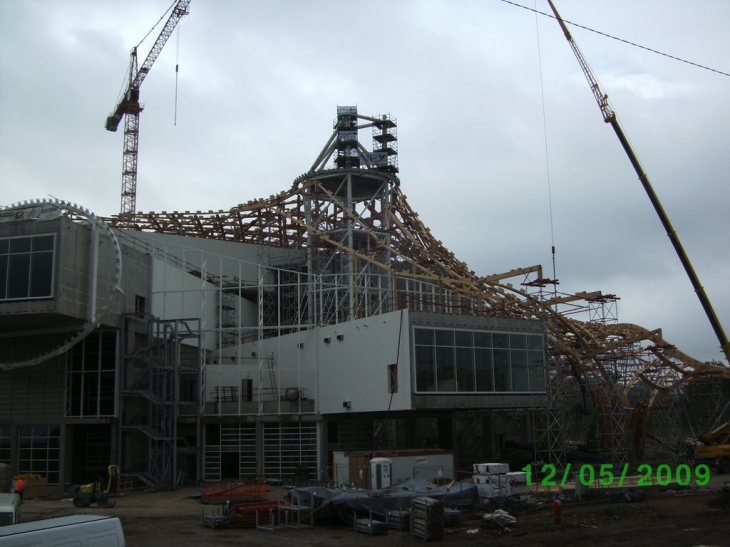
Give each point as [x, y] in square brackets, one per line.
[129, 107]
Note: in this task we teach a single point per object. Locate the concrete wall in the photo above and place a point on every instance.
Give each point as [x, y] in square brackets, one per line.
[355, 369]
[70, 276]
[34, 394]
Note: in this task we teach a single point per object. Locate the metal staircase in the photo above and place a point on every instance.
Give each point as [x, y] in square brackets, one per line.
[159, 369]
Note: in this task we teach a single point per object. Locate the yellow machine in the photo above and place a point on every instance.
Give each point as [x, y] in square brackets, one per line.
[94, 492]
[715, 448]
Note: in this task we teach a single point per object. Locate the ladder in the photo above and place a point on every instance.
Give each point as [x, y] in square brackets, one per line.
[272, 376]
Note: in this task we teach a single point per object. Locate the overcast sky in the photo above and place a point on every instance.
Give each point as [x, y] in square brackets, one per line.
[502, 149]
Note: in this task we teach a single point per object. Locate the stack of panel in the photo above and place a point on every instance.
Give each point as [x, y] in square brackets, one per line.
[399, 520]
[216, 520]
[494, 480]
[370, 526]
[250, 515]
[452, 518]
[427, 518]
[517, 481]
[491, 468]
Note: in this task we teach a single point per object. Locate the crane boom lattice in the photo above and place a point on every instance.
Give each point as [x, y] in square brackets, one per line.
[609, 116]
[130, 107]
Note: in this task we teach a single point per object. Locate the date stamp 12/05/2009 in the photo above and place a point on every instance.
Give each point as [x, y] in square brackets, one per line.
[604, 475]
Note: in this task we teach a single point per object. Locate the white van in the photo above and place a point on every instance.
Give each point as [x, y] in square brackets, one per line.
[9, 509]
[76, 530]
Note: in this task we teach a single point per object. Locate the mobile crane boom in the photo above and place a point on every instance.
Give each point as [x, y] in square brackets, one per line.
[609, 116]
[129, 107]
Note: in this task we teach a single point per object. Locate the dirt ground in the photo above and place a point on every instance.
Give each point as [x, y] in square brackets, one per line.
[688, 517]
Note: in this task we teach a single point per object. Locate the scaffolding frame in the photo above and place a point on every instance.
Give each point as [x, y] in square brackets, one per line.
[154, 364]
[356, 248]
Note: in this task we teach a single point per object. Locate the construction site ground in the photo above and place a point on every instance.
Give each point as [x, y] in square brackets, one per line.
[668, 516]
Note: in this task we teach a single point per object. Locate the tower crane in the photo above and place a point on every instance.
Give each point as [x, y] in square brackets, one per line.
[129, 107]
[609, 116]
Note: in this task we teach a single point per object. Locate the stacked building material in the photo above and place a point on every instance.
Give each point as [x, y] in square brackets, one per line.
[494, 480]
[234, 491]
[452, 518]
[250, 515]
[427, 518]
[492, 486]
[216, 519]
[491, 468]
[399, 520]
[518, 482]
[370, 526]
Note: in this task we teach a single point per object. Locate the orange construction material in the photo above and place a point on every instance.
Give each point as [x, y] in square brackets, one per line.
[234, 491]
[245, 514]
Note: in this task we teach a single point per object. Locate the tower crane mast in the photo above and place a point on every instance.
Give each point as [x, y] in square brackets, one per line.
[609, 116]
[129, 107]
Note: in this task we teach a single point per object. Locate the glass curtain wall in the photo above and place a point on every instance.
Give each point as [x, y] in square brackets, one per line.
[463, 361]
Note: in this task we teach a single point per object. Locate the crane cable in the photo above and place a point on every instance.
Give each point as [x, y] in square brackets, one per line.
[177, 71]
[125, 80]
[547, 153]
[157, 23]
[619, 39]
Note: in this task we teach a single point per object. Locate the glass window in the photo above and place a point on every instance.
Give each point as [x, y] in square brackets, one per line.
[90, 379]
[39, 452]
[4, 259]
[520, 377]
[26, 267]
[517, 341]
[425, 371]
[482, 339]
[464, 339]
[535, 342]
[537, 370]
[41, 275]
[18, 276]
[449, 360]
[424, 337]
[501, 370]
[42, 243]
[465, 369]
[444, 337]
[392, 378]
[445, 371]
[5, 443]
[483, 369]
[20, 245]
[500, 340]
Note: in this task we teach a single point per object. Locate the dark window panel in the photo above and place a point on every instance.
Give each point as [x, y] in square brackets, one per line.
[464, 338]
[20, 245]
[423, 337]
[444, 337]
[18, 276]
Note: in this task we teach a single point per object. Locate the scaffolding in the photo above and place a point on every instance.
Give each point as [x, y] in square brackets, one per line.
[343, 243]
[162, 362]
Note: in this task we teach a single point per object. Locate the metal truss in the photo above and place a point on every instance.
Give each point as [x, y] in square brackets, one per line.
[367, 252]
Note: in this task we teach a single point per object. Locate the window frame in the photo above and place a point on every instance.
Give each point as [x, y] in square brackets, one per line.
[510, 361]
[34, 273]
